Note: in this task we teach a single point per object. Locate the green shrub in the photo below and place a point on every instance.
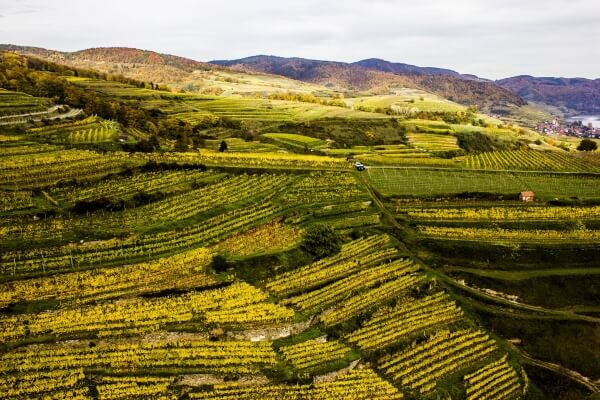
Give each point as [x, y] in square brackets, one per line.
[219, 263]
[587, 145]
[321, 241]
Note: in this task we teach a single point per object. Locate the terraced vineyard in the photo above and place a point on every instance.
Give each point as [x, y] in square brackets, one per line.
[62, 165]
[240, 145]
[223, 357]
[432, 142]
[334, 292]
[181, 270]
[368, 300]
[15, 200]
[354, 386]
[314, 353]
[540, 235]
[328, 269]
[249, 109]
[126, 187]
[529, 160]
[421, 366]
[16, 104]
[512, 213]
[115, 251]
[497, 380]
[404, 320]
[236, 304]
[411, 154]
[142, 259]
[295, 140]
[407, 100]
[254, 160]
[89, 130]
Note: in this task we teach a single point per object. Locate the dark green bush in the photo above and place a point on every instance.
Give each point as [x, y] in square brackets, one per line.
[321, 241]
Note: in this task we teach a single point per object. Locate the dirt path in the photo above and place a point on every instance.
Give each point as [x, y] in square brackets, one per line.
[594, 387]
[514, 304]
[199, 380]
[260, 335]
[38, 116]
[48, 111]
[333, 375]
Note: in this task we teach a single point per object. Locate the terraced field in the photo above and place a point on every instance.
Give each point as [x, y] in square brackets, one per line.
[400, 154]
[431, 142]
[529, 160]
[239, 145]
[20, 104]
[89, 130]
[49, 168]
[294, 140]
[275, 110]
[143, 269]
[152, 301]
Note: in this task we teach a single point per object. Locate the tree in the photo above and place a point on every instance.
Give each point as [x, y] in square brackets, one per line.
[219, 263]
[181, 146]
[223, 146]
[587, 145]
[154, 142]
[321, 241]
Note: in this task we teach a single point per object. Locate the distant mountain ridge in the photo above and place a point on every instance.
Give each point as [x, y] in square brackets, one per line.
[572, 95]
[375, 64]
[401, 68]
[380, 75]
[372, 75]
[136, 56]
[126, 55]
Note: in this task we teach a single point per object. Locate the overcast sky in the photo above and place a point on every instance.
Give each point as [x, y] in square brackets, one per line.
[490, 38]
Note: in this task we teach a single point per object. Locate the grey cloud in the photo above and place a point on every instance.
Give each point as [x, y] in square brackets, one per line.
[492, 38]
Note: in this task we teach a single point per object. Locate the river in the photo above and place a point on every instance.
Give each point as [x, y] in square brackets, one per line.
[586, 119]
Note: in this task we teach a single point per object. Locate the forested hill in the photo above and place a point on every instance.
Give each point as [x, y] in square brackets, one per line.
[48, 80]
[372, 75]
[572, 95]
[126, 55]
[381, 76]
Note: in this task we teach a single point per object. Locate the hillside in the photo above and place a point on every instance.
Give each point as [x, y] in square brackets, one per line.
[265, 75]
[378, 64]
[571, 95]
[175, 245]
[381, 76]
[124, 55]
[173, 71]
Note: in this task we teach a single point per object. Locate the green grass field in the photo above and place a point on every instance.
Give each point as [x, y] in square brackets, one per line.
[430, 183]
[530, 160]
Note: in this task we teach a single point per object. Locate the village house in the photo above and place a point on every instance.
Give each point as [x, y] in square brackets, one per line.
[526, 196]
